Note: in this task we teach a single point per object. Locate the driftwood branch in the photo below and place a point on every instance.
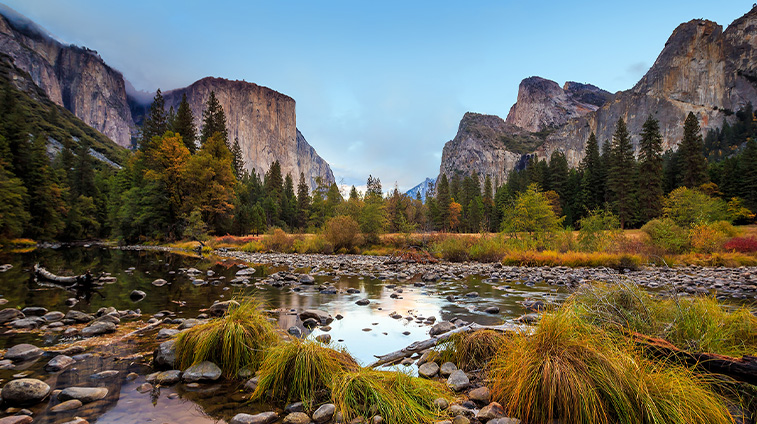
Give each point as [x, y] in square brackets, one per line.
[422, 345]
[42, 273]
[741, 369]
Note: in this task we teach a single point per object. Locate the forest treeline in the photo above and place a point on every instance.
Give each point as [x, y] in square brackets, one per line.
[182, 182]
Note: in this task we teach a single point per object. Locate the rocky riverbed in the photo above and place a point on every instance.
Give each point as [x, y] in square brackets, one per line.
[106, 355]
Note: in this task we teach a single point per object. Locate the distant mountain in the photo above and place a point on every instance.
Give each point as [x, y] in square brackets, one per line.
[421, 188]
[701, 69]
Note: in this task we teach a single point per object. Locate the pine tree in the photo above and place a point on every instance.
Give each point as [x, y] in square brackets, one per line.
[488, 201]
[748, 174]
[592, 182]
[443, 200]
[373, 191]
[621, 174]
[289, 203]
[354, 195]
[13, 214]
[236, 158]
[184, 124]
[45, 197]
[650, 170]
[213, 120]
[558, 174]
[606, 164]
[156, 121]
[303, 202]
[692, 164]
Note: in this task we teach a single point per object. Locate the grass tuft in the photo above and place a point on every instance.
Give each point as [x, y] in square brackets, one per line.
[394, 395]
[472, 350]
[575, 372]
[301, 370]
[234, 341]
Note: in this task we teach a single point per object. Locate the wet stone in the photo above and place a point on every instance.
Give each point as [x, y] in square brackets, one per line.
[34, 311]
[165, 354]
[78, 316]
[159, 282]
[68, 405]
[98, 328]
[24, 391]
[428, 370]
[203, 371]
[16, 419]
[27, 323]
[10, 314]
[324, 413]
[23, 352]
[166, 333]
[295, 331]
[324, 338]
[53, 316]
[102, 375]
[58, 363]
[144, 388]
[441, 328]
[262, 418]
[297, 418]
[458, 381]
[492, 410]
[84, 394]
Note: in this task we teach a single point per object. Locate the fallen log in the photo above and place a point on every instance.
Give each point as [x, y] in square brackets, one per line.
[742, 369]
[422, 345]
[84, 279]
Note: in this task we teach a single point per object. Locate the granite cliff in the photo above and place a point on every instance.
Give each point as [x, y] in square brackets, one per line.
[73, 77]
[265, 123]
[701, 69]
[77, 78]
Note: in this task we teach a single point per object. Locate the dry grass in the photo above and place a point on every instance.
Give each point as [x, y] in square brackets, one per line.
[577, 373]
[234, 341]
[572, 259]
[301, 370]
[472, 350]
[397, 397]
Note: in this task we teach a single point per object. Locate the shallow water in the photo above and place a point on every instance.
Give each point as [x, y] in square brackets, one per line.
[364, 331]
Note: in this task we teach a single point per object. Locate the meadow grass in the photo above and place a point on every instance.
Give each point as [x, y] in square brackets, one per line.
[471, 350]
[394, 395]
[234, 341]
[301, 370]
[692, 323]
[573, 371]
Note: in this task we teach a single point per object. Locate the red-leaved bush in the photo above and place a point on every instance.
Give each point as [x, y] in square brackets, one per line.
[742, 244]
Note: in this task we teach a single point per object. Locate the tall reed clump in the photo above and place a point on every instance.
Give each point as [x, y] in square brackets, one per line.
[473, 350]
[301, 370]
[235, 341]
[575, 372]
[394, 395]
[697, 324]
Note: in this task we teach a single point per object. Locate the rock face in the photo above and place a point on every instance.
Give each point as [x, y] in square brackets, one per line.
[78, 79]
[543, 104]
[265, 123]
[701, 69]
[73, 77]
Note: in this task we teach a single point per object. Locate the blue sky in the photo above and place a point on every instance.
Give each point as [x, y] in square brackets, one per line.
[380, 86]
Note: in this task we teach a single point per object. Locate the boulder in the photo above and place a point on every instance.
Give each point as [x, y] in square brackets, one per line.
[322, 316]
[23, 352]
[58, 363]
[204, 371]
[36, 311]
[262, 418]
[98, 328]
[458, 381]
[441, 328]
[428, 370]
[10, 314]
[83, 394]
[324, 413]
[165, 355]
[481, 395]
[24, 391]
[219, 308]
[78, 316]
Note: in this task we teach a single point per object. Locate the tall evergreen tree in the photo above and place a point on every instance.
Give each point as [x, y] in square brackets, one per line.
[650, 170]
[443, 200]
[184, 124]
[692, 164]
[155, 123]
[488, 201]
[621, 174]
[593, 178]
[303, 202]
[213, 120]
[237, 161]
[748, 177]
[558, 174]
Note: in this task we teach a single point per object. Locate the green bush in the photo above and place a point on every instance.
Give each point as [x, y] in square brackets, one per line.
[689, 206]
[316, 244]
[598, 230]
[488, 249]
[667, 235]
[454, 249]
[279, 241]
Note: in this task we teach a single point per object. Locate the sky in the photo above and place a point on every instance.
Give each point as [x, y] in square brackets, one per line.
[381, 85]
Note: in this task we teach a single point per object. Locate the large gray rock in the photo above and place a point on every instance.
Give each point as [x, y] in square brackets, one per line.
[262, 418]
[78, 316]
[428, 370]
[324, 413]
[53, 316]
[204, 371]
[447, 369]
[34, 311]
[98, 328]
[59, 362]
[441, 328]
[220, 308]
[27, 323]
[10, 314]
[458, 381]
[25, 391]
[83, 394]
[165, 355]
[165, 378]
[490, 411]
[322, 316]
[23, 352]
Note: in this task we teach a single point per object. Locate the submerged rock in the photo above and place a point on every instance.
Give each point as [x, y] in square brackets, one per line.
[84, 394]
[98, 328]
[322, 316]
[23, 352]
[24, 391]
[59, 362]
[164, 355]
[10, 314]
[68, 405]
[203, 371]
